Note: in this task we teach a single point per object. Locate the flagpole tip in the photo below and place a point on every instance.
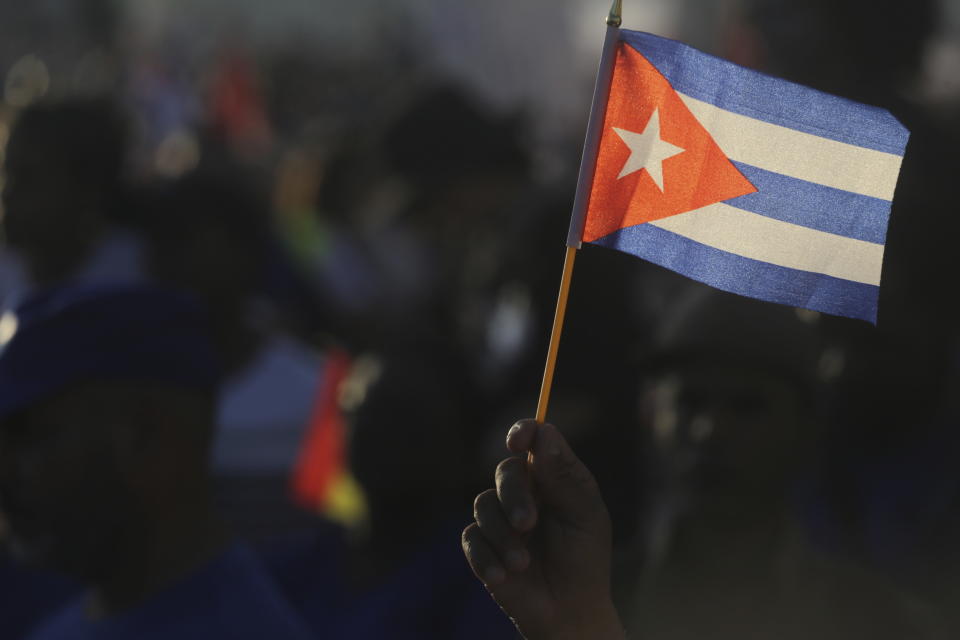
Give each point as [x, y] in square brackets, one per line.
[614, 18]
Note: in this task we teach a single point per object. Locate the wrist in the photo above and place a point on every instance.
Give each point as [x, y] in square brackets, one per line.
[601, 623]
[608, 627]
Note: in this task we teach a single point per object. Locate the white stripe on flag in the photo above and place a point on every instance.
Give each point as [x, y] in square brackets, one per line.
[798, 154]
[776, 242]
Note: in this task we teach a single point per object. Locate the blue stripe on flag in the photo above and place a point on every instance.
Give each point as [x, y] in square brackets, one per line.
[746, 276]
[756, 95]
[812, 205]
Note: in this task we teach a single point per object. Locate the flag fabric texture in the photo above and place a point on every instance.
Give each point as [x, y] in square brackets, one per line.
[745, 182]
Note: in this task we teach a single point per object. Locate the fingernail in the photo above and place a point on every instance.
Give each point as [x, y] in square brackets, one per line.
[517, 559]
[494, 575]
[513, 430]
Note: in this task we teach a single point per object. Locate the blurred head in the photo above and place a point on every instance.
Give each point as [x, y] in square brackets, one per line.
[62, 172]
[86, 471]
[106, 412]
[464, 163]
[209, 236]
[444, 137]
[730, 399]
[408, 440]
[470, 176]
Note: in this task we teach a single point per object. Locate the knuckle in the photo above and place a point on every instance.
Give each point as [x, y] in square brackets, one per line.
[483, 502]
[571, 473]
[509, 468]
[569, 470]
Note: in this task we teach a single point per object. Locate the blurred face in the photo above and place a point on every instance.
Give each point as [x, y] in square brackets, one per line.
[220, 268]
[48, 212]
[727, 432]
[404, 449]
[62, 486]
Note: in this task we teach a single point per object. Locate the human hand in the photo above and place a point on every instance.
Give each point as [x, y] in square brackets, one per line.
[541, 541]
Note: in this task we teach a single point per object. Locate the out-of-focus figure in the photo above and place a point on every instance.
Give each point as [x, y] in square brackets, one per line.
[402, 577]
[106, 418]
[27, 596]
[891, 445]
[874, 52]
[65, 214]
[209, 234]
[734, 430]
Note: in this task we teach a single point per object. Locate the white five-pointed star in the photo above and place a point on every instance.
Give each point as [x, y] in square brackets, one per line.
[647, 150]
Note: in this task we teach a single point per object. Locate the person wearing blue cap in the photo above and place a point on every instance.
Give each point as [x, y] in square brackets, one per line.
[106, 411]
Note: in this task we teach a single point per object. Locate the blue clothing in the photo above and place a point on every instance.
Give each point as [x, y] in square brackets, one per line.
[118, 259]
[63, 335]
[28, 596]
[265, 408]
[232, 597]
[433, 596]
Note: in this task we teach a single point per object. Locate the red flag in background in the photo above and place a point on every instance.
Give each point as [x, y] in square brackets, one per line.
[320, 480]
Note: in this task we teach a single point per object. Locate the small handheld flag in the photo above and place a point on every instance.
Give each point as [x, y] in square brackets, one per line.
[739, 180]
[742, 181]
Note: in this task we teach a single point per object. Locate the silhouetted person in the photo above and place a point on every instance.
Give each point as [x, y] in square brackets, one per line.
[209, 233]
[730, 403]
[402, 576]
[106, 417]
[64, 214]
[891, 438]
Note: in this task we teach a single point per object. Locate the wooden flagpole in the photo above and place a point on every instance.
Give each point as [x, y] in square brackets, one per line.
[588, 163]
[558, 317]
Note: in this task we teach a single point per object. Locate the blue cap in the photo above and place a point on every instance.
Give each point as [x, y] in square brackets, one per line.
[67, 335]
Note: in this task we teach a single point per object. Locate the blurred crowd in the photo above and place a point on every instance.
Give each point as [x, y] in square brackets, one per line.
[374, 253]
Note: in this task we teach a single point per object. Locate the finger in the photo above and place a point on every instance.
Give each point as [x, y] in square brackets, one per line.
[516, 493]
[481, 557]
[506, 542]
[562, 480]
[521, 436]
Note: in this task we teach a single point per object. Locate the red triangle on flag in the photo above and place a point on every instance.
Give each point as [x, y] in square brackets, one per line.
[644, 110]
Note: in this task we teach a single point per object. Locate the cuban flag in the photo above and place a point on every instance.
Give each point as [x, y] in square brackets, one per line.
[745, 182]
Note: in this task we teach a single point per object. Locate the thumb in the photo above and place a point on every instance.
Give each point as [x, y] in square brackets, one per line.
[565, 485]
